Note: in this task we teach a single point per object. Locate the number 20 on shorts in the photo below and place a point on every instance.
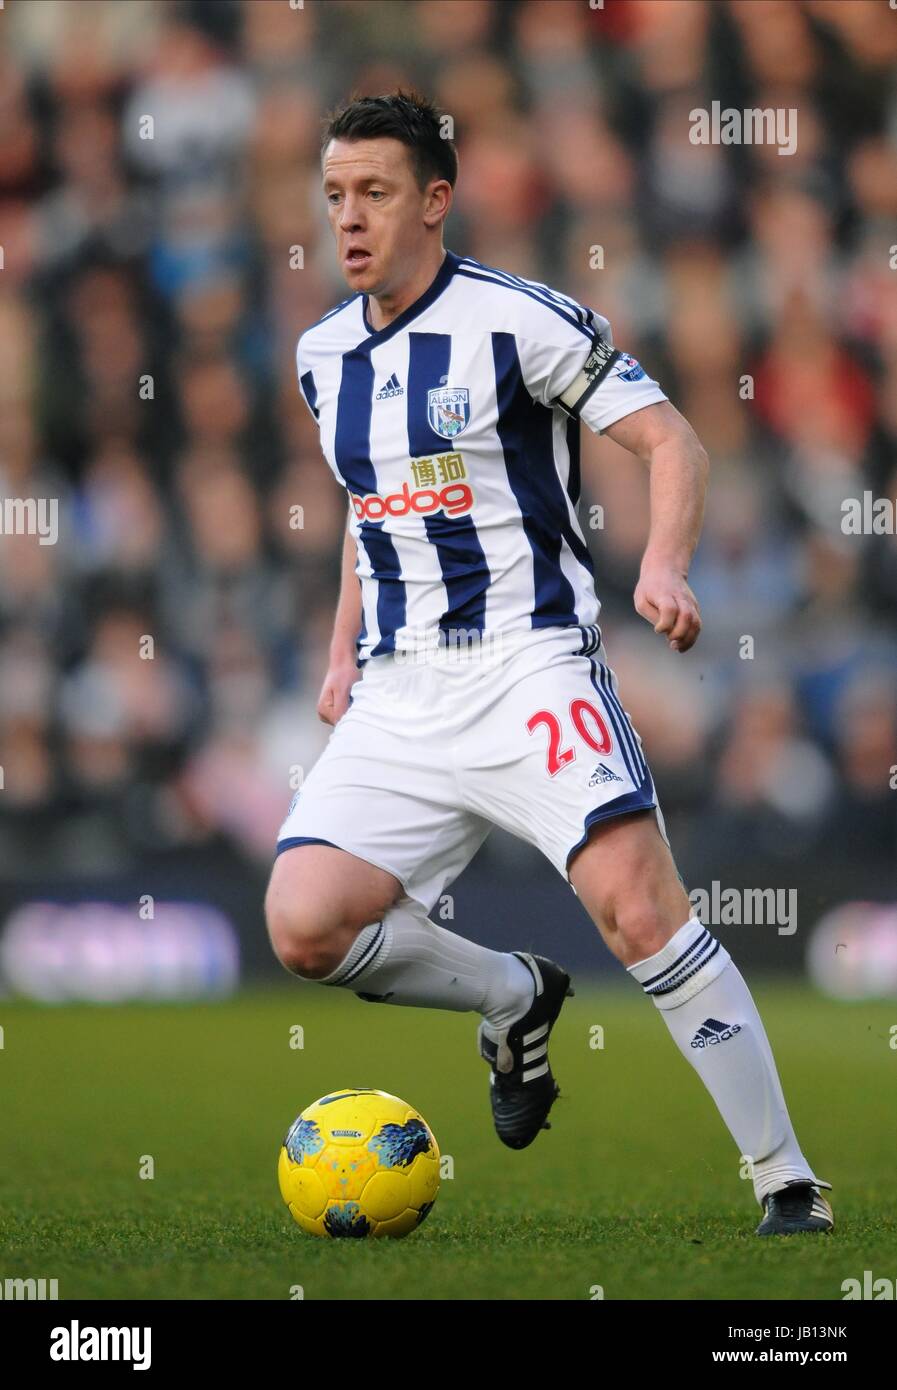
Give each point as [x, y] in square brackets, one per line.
[581, 711]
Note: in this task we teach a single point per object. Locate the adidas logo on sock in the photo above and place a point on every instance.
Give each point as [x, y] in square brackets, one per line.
[712, 1031]
[390, 388]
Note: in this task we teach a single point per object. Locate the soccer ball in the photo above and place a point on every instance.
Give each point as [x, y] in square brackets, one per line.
[359, 1163]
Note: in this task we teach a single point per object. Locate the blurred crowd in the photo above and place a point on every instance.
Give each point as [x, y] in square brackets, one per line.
[159, 168]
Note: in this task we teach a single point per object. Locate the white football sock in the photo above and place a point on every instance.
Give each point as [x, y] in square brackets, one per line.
[407, 959]
[709, 1010]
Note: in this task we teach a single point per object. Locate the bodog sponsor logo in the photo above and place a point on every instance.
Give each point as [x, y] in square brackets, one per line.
[455, 499]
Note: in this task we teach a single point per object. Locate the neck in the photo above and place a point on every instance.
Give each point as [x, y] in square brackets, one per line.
[384, 308]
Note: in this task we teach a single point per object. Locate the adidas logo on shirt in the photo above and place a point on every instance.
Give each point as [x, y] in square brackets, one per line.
[712, 1031]
[391, 388]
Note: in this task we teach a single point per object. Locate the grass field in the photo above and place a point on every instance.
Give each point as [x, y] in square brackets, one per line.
[635, 1188]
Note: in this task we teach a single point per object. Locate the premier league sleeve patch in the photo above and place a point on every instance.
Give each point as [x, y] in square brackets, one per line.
[630, 368]
[448, 410]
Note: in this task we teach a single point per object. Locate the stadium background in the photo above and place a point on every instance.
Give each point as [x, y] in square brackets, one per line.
[173, 259]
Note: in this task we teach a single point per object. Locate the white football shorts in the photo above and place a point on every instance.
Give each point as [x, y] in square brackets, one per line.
[525, 731]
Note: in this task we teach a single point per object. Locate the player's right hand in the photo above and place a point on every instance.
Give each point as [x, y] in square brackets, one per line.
[334, 698]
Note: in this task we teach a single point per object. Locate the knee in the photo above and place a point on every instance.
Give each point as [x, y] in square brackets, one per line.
[303, 935]
[628, 882]
[301, 940]
[639, 925]
[310, 934]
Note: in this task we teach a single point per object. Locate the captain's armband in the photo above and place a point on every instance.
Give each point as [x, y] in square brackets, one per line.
[597, 365]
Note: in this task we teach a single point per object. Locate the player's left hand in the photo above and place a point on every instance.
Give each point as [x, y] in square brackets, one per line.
[664, 599]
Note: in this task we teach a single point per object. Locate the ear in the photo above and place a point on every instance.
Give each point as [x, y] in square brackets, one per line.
[438, 202]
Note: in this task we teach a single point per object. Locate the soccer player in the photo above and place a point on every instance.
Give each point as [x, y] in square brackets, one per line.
[449, 396]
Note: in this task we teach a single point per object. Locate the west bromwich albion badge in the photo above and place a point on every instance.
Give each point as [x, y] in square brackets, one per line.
[448, 410]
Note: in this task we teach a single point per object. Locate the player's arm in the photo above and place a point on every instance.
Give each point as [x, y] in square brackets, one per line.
[609, 391]
[665, 440]
[342, 670]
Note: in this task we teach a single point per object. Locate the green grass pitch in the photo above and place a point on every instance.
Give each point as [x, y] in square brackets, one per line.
[635, 1189]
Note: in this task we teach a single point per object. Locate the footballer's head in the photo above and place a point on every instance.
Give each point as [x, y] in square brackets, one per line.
[389, 173]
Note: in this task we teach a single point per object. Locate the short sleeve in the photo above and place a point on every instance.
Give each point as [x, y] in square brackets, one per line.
[577, 369]
[307, 387]
[625, 388]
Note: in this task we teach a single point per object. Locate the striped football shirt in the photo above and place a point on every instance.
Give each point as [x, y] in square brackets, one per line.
[455, 431]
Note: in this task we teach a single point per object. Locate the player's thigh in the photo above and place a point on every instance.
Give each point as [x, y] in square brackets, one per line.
[554, 754]
[384, 792]
[625, 877]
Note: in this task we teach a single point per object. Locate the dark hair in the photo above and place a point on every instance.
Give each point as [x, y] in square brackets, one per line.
[401, 115]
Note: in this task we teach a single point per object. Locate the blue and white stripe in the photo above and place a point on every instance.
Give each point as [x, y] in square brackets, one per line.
[511, 554]
[575, 314]
[367, 948]
[674, 976]
[591, 640]
[625, 736]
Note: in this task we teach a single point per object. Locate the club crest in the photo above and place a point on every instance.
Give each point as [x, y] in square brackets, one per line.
[448, 410]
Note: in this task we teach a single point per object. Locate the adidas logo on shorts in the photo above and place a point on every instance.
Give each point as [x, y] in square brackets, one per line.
[603, 773]
[712, 1031]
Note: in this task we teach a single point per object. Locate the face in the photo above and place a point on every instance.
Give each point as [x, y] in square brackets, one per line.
[379, 216]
